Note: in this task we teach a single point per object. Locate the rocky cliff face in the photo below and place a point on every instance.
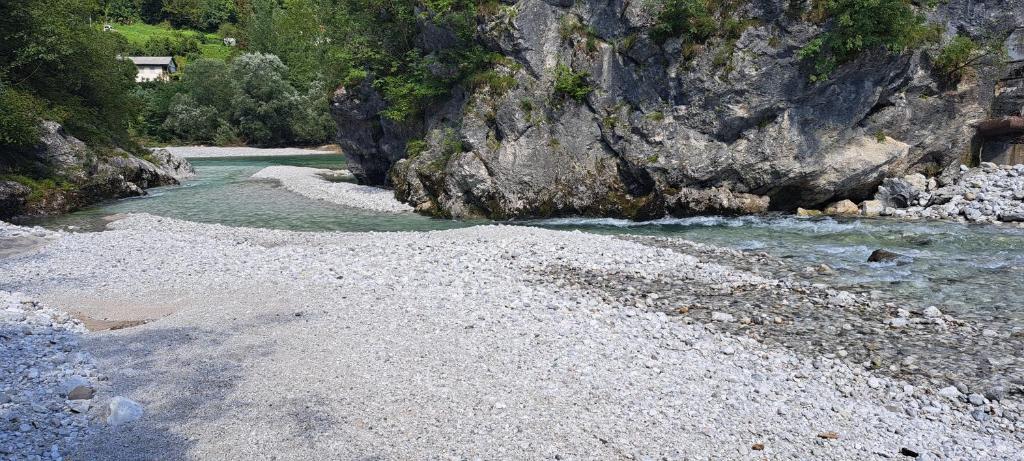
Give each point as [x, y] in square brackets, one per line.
[75, 175]
[730, 126]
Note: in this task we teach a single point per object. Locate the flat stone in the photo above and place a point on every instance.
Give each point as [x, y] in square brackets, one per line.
[722, 317]
[81, 393]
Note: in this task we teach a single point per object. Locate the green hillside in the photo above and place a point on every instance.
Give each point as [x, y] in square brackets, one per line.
[140, 34]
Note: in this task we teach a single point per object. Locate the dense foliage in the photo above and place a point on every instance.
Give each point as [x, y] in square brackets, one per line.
[855, 26]
[54, 65]
[247, 101]
[349, 41]
[205, 15]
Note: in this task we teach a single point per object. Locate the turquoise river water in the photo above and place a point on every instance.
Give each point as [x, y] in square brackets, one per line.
[974, 271]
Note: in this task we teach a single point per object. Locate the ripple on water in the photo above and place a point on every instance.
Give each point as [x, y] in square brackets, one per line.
[972, 270]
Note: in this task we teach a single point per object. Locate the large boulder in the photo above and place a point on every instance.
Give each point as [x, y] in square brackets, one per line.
[62, 174]
[665, 120]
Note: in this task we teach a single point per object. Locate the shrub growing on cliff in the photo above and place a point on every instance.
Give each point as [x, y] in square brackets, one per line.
[961, 55]
[855, 26]
[571, 84]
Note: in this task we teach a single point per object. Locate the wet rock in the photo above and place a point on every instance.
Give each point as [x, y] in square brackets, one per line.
[882, 255]
[808, 213]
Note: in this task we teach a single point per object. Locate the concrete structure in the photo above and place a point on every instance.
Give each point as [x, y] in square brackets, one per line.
[152, 68]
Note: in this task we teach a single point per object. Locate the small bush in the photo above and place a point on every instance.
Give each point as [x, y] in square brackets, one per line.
[862, 25]
[693, 20]
[572, 84]
[415, 147]
[19, 119]
[962, 55]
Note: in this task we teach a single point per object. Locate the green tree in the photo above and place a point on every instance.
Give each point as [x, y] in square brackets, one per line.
[182, 13]
[263, 100]
[209, 81]
[52, 55]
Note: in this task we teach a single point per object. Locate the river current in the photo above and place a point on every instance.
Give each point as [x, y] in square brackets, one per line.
[975, 271]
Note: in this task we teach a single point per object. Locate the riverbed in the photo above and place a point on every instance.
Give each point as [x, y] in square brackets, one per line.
[245, 326]
[973, 271]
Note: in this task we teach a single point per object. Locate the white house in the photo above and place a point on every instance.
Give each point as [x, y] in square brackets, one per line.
[153, 68]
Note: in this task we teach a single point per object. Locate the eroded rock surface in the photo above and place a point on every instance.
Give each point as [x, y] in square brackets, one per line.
[63, 174]
[737, 117]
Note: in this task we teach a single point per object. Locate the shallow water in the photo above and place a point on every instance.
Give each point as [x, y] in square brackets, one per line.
[972, 271]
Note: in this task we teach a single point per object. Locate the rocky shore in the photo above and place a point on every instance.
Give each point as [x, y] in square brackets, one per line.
[46, 386]
[331, 186]
[63, 174]
[987, 194]
[501, 342]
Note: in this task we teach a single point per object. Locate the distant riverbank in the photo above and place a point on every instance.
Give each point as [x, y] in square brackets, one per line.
[219, 152]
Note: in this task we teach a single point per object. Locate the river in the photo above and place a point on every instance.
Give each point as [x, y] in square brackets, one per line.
[974, 271]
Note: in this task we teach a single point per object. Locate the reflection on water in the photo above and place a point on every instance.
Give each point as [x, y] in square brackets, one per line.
[977, 271]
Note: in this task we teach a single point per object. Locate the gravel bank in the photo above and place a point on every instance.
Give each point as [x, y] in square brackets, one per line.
[46, 382]
[312, 183]
[468, 343]
[211, 151]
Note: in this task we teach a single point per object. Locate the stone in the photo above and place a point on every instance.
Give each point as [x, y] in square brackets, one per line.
[842, 208]
[932, 312]
[950, 392]
[808, 213]
[722, 317]
[872, 208]
[898, 322]
[81, 393]
[995, 393]
[123, 411]
[1012, 216]
[908, 452]
[976, 399]
[980, 416]
[882, 255]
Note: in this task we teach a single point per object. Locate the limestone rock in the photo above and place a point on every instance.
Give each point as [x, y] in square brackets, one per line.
[90, 177]
[660, 125]
[872, 208]
[123, 410]
[842, 208]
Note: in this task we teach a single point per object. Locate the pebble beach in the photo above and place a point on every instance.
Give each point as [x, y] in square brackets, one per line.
[478, 342]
